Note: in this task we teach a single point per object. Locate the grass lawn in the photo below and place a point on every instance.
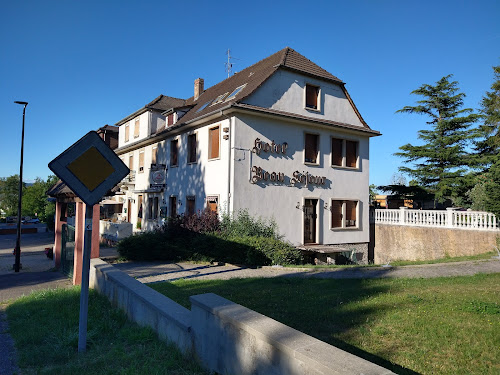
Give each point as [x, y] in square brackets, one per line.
[428, 326]
[44, 326]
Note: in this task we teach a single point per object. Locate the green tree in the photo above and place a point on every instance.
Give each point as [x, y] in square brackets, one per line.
[487, 146]
[492, 188]
[9, 194]
[440, 163]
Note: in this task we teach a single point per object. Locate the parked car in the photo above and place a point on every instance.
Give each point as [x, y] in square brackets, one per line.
[32, 221]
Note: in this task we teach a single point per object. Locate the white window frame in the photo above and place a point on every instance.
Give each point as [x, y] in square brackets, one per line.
[318, 149]
[318, 98]
[344, 153]
[344, 227]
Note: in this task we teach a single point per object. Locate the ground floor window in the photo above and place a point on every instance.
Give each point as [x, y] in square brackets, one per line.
[190, 205]
[344, 213]
[153, 208]
[213, 203]
[173, 206]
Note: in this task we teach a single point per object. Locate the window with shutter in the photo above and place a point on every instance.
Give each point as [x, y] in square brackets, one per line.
[311, 148]
[337, 151]
[350, 213]
[174, 152]
[136, 127]
[154, 153]
[312, 97]
[191, 148]
[131, 162]
[213, 203]
[213, 143]
[190, 205]
[336, 210]
[170, 119]
[141, 161]
[127, 133]
[351, 157]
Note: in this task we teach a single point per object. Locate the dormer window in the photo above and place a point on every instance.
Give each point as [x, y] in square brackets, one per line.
[170, 119]
[235, 92]
[312, 99]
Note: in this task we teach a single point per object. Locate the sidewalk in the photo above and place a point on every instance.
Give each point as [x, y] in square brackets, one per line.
[152, 272]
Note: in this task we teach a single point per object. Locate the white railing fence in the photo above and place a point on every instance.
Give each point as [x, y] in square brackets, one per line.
[451, 218]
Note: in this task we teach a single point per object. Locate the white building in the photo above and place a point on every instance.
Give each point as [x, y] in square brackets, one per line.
[282, 139]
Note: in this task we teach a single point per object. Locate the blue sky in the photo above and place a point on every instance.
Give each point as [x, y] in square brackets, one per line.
[83, 64]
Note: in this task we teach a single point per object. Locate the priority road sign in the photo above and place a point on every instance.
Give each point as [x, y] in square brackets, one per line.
[89, 168]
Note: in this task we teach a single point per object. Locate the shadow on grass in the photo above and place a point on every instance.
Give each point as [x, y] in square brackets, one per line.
[324, 309]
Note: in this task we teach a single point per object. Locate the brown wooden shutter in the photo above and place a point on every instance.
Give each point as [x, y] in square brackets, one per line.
[190, 205]
[336, 214]
[131, 162]
[350, 153]
[192, 148]
[136, 128]
[153, 155]
[350, 213]
[173, 152]
[141, 161]
[312, 96]
[170, 119]
[311, 148]
[127, 133]
[337, 151]
[214, 143]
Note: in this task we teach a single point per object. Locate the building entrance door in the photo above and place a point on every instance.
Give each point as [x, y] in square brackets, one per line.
[310, 216]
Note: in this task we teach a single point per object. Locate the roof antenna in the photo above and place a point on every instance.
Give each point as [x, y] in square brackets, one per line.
[229, 64]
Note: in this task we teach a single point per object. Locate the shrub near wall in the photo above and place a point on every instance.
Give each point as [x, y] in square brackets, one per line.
[240, 240]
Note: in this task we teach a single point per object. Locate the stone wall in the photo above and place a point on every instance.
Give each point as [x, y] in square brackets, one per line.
[403, 242]
[225, 337]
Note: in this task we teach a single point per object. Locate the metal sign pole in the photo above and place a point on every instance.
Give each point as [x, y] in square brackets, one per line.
[84, 294]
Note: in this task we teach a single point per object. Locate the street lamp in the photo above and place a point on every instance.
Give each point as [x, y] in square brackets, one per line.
[17, 264]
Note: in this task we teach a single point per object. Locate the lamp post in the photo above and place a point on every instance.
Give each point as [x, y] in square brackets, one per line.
[17, 264]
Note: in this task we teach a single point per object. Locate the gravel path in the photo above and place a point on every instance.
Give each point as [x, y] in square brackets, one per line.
[151, 272]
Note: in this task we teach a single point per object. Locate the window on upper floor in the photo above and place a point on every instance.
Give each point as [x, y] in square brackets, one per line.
[141, 161]
[136, 127]
[344, 214]
[219, 99]
[154, 154]
[131, 162]
[127, 133]
[170, 119]
[311, 148]
[344, 153]
[174, 152]
[213, 142]
[191, 148]
[312, 97]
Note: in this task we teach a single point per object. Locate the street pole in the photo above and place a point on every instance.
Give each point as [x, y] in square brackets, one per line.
[17, 264]
[84, 293]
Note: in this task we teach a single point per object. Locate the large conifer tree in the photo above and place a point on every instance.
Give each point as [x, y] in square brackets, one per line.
[440, 163]
[488, 145]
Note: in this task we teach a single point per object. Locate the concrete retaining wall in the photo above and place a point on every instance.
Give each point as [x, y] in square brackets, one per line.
[227, 338]
[403, 242]
[143, 305]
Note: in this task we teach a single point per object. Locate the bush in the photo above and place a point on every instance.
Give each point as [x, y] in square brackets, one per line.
[243, 225]
[201, 237]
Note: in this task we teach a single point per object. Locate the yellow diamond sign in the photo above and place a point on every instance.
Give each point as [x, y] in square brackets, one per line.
[91, 168]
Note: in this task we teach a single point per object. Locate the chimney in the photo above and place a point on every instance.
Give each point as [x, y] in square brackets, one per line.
[198, 87]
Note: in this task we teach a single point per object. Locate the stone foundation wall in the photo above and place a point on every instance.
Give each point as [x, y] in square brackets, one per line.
[403, 242]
